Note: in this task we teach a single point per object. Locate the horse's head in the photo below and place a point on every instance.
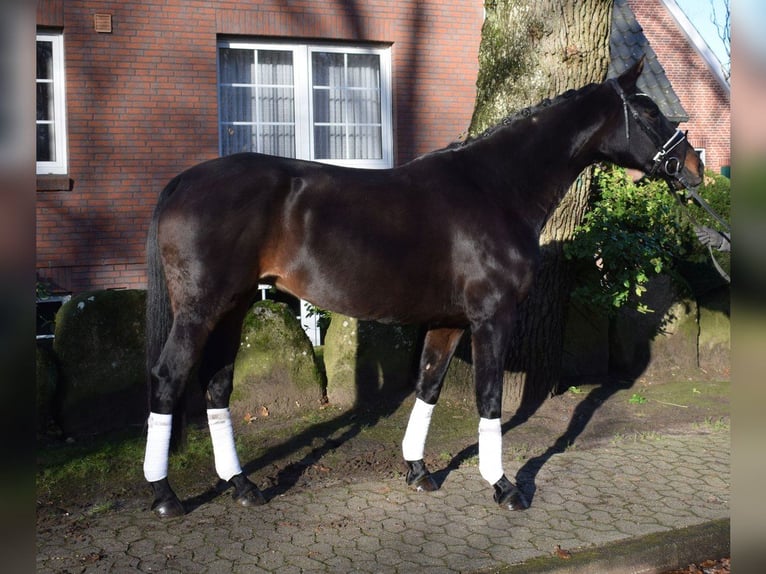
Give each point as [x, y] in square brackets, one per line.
[643, 138]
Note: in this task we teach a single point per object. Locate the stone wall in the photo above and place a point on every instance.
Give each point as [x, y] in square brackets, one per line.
[93, 380]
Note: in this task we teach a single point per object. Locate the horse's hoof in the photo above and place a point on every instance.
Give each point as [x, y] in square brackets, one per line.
[245, 492]
[169, 508]
[166, 503]
[509, 496]
[419, 478]
[250, 498]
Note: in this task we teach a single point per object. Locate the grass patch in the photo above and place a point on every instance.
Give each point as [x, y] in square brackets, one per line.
[694, 393]
[471, 461]
[637, 399]
[111, 465]
[636, 437]
[66, 468]
[715, 424]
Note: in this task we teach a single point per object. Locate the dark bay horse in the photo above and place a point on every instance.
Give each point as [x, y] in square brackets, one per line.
[449, 240]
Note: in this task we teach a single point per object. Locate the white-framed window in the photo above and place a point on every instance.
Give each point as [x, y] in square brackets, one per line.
[51, 105]
[701, 152]
[307, 101]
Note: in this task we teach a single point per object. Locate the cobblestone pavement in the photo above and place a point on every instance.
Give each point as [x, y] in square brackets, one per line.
[581, 499]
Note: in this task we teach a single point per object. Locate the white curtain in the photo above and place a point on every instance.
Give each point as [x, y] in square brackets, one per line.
[257, 101]
[346, 100]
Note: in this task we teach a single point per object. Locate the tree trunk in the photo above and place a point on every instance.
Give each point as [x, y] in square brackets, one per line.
[532, 50]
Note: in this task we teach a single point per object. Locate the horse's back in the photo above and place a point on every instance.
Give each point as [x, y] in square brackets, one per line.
[394, 245]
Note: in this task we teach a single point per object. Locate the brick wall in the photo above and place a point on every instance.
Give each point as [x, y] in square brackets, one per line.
[706, 102]
[142, 105]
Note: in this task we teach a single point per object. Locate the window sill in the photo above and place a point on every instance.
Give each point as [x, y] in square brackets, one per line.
[54, 183]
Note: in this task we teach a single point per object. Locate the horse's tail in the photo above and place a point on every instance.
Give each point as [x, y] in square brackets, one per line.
[159, 316]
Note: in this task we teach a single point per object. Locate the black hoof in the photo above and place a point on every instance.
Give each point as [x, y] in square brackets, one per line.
[166, 503]
[509, 496]
[419, 478]
[245, 492]
[168, 508]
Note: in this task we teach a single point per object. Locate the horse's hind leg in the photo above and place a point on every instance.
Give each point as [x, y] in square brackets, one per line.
[169, 376]
[216, 376]
[438, 348]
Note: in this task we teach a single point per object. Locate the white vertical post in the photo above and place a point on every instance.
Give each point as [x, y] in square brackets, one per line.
[310, 323]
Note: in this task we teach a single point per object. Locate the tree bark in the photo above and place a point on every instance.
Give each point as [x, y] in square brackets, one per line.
[532, 50]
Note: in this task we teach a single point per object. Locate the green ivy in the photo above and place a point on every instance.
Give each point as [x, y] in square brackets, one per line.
[633, 231]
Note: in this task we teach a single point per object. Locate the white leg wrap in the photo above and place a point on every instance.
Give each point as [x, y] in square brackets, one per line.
[222, 435]
[157, 445]
[417, 429]
[490, 450]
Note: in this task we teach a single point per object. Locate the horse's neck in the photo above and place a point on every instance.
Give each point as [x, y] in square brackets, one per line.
[533, 166]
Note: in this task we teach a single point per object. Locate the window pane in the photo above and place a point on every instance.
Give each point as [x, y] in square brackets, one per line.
[328, 106]
[275, 68]
[364, 107]
[237, 66]
[328, 69]
[266, 105]
[347, 102]
[44, 60]
[364, 71]
[277, 140]
[276, 105]
[46, 147]
[329, 142]
[237, 104]
[45, 101]
[236, 139]
[365, 143]
[46, 144]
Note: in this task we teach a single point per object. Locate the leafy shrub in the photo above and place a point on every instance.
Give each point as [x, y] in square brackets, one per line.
[633, 231]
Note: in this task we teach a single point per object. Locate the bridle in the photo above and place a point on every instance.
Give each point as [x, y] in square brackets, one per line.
[669, 165]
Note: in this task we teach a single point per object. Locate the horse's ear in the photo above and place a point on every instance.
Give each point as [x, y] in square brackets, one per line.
[630, 76]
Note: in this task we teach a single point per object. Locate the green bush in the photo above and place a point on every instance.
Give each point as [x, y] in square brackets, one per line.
[633, 231]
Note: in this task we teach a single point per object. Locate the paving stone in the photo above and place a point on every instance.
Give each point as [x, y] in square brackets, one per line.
[582, 498]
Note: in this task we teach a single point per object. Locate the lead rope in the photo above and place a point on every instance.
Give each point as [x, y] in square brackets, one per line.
[717, 265]
[690, 192]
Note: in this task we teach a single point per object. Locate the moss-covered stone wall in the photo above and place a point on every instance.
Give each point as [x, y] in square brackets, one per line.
[276, 368]
[99, 348]
[368, 362]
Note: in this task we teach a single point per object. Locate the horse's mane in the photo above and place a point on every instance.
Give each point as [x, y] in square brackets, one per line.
[522, 114]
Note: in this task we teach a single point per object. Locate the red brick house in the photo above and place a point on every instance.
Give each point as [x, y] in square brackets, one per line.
[145, 89]
[130, 92]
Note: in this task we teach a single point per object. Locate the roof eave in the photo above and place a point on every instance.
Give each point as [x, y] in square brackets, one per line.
[699, 43]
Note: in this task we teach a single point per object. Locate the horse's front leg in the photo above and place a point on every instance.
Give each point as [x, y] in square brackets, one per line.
[489, 347]
[438, 348]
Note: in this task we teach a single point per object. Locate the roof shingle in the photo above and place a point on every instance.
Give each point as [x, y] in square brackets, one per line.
[627, 44]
